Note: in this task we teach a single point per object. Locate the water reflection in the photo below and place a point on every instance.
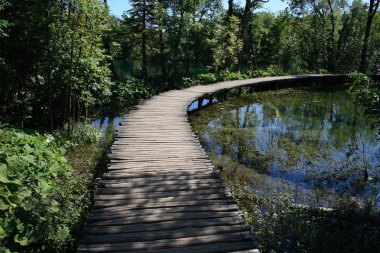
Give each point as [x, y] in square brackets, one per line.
[203, 102]
[103, 123]
[315, 141]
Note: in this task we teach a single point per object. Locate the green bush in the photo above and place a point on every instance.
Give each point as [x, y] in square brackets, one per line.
[185, 83]
[41, 200]
[365, 92]
[206, 78]
[79, 134]
[128, 92]
[226, 75]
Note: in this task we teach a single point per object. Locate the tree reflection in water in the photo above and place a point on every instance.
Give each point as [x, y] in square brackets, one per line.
[314, 142]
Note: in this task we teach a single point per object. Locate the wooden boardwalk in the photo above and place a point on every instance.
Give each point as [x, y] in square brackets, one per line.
[162, 194]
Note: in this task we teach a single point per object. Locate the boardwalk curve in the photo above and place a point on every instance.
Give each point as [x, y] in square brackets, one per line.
[161, 193]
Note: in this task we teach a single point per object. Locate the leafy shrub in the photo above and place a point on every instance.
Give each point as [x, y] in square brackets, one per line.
[206, 78]
[128, 92]
[41, 200]
[271, 71]
[81, 133]
[275, 70]
[226, 75]
[366, 92]
[187, 82]
[323, 71]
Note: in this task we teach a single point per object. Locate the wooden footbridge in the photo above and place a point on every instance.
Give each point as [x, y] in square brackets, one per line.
[162, 194]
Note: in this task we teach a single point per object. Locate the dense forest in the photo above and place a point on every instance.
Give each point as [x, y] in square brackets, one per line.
[64, 61]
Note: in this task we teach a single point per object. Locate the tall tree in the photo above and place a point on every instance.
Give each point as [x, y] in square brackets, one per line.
[3, 25]
[54, 63]
[372, 9]
[226, 45]
[249, 6]
[230, 8]
[179, 10]
[143, 17]
[326, 16]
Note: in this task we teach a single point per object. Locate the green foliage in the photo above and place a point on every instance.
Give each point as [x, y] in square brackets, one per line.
[271, 71]
[3, 23]
[79, 134]
[62, 71]
[41, 200]
[226, 75]
[129, 92]
[206, 78]
[142, 18]
[226, 45]
[365, 91]
[187, 82]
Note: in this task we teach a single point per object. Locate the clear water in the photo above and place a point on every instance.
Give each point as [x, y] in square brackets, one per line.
[103, 124]
[313, 143]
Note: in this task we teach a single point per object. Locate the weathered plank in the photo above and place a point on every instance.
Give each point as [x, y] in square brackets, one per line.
[164, 243]
[162, 226]
[120, 212]
[164, 217]
[167, 234]
[151, 203]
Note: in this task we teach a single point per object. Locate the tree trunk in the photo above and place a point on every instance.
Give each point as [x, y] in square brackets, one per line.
[230, 8]
[143, 44]
[178, 41]
[343, 32]
[71, 70]
[162, 55]
[50, 105]
[372, 9]
[247, 9]
[332, 52]
[48, 75]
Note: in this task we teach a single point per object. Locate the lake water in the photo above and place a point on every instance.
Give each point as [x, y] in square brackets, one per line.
[103, 123]
[311, 142]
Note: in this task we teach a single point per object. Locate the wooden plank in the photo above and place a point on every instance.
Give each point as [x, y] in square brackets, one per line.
[163, 188]
[159, 170]
[161, 226]
[170, 175]
[168, 191]
[138, 219]
[120, 212]
[163, 244]
[209, 248]
[153, 182]
[245, 251]
[162, 197]
[165, 234]
[155, 204]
